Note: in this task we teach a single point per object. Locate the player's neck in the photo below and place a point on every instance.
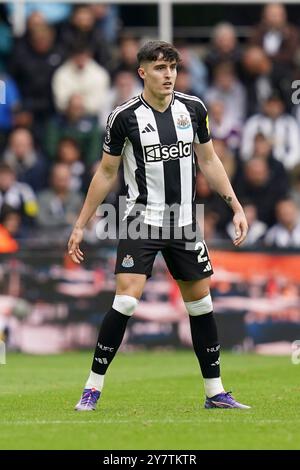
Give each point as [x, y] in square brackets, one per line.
[158, 103]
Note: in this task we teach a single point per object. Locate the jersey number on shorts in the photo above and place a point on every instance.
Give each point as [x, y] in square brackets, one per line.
[202, 259]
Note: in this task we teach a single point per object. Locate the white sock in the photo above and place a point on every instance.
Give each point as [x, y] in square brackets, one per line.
[95, 381]
[213, 387]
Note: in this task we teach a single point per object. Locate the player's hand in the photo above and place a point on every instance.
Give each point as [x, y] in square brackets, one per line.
[73, 245]
[240, 227]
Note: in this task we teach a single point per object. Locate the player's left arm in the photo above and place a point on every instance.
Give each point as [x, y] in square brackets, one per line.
[215, 174]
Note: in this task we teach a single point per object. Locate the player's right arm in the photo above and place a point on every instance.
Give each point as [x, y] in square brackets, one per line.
[103, 179]
[100, 186]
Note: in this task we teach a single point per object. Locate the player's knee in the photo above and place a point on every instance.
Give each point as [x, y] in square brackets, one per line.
[125, 304]
[200, 307]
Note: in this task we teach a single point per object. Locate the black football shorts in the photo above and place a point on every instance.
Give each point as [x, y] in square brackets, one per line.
[185, 252]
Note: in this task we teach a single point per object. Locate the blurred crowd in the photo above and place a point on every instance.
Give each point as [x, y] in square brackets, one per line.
[74, 65]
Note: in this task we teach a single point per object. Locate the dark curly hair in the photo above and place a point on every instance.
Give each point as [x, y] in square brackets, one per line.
[152, 50]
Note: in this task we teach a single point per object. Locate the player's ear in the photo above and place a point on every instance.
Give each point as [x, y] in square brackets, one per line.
[141, 72]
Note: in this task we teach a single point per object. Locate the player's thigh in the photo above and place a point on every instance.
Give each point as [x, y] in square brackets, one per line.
[194, 290]
[189, 264]
[136, 255]
[130, 284]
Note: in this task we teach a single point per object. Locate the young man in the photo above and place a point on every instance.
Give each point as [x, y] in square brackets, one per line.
[157, 133]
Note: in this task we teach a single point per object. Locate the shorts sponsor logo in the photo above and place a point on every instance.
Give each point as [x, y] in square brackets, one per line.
[158, 153]
[127, 261]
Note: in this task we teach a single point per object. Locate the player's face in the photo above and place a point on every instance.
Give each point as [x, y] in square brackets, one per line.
[159, 77]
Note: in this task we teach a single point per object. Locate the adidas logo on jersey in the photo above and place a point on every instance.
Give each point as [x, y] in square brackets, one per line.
[156, 153]
[148, 128]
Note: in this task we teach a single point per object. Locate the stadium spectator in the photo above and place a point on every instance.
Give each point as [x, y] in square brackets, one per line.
[127, 50]
[10, 102]
[263, 149]
[212, 202]
[211, 232]
[19, 196]
[276, 36]
[184, 81]
[224, 47]
[226, 156]
[228, 89]
[295, 186]
[33, 64]
[10, 221]
[75, 124]
[59, 204]
[53, 12]
[222, 127]
[35, 20]
[286, 232]
[196, 67]
[82, 27]
[80, 74]
[6, 42]
[278, 126]
[68, 152]
[24, 118]
[107, 20]
[257, 228]
[7, 242]
[29, 165]
[125, 85]
[260, 77]
[255, 183]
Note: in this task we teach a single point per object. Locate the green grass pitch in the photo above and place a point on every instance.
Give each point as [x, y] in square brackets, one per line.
[151, 400]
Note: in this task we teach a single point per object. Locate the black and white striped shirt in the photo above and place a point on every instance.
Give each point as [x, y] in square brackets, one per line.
[158, 155]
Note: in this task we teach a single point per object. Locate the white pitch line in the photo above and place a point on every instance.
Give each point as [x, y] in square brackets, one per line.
[150, 421]
[99, 421]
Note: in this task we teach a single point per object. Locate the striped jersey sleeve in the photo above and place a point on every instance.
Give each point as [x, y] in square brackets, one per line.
[115, 135]
[202, 132]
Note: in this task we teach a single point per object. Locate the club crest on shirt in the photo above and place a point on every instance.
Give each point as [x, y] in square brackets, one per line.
[183, 122]
[127, 261]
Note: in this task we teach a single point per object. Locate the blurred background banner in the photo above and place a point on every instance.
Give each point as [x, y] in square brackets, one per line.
[64, 66]
[48, 304]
